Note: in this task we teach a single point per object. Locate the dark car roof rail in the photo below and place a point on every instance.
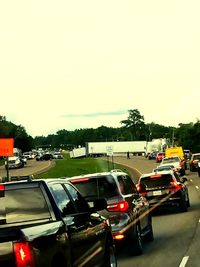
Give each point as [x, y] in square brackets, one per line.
[27, 178]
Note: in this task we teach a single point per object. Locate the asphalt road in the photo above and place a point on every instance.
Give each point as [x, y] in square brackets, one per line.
[32, 167]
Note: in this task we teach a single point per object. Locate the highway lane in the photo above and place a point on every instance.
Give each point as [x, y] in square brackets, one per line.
[177, 235]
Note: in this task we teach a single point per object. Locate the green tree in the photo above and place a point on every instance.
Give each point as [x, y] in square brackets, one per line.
[135, 125]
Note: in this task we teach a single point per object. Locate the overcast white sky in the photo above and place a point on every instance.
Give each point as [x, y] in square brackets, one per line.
[78, 64]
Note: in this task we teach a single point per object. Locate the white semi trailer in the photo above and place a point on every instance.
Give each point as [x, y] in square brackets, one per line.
[99, 148]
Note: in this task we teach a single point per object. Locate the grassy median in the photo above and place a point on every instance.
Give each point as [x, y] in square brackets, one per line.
[68, 167]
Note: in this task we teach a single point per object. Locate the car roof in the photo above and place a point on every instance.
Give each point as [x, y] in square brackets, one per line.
[144, 175]
[114, 173]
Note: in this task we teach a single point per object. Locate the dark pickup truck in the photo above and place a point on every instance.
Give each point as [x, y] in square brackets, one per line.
[48, 223]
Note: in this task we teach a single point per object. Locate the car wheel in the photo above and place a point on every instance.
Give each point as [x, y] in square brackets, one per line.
[110, 256]
[188, 201]
[183, 205]
[149, 236]
[137, 241]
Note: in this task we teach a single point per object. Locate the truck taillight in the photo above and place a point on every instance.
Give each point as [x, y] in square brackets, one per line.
[23, 254]
[119, 206]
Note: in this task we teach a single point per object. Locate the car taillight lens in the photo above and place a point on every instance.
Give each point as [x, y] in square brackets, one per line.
[140, 190]
[174, 186]
[23, 254]
[119, 206]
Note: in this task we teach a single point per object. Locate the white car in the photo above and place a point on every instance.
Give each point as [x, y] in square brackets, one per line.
[57, 155]
[176, 162]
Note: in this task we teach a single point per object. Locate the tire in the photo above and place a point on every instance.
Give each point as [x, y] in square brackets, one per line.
[188, 201]
[137, 241]
[183, 205]
[149, 236]
[110, 256]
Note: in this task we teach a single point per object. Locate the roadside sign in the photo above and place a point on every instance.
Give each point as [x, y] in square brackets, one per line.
[109, 150]
[6, 147]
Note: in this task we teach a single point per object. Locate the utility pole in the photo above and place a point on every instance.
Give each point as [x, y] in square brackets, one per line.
[172, 136]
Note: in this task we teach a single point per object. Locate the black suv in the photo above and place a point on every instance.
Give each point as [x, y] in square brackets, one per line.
[164, 188]
[127, 211]
[48, 223]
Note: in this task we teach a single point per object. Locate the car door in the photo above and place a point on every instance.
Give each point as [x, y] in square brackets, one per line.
[138, 202]
[94, 231]
[76, 225]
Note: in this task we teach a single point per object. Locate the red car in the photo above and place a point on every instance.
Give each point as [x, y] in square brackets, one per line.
[160, 156]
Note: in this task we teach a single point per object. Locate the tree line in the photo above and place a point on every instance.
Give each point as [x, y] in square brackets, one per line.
[133, 128]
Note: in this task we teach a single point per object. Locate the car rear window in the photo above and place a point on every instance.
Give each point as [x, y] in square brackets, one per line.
[104, 186]
[23, 205]
[156, 181]
[170, 160]
[197, 157]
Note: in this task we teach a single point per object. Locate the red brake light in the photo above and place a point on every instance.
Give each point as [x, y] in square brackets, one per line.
[79, 180]
[119, 206]
[23, 254]
[155, 176]
[175, 186]
[2, 187]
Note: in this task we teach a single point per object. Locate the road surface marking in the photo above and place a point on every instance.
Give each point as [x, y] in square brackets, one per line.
[197, 187]
[199, 220]
[191, 180]
[184, 261]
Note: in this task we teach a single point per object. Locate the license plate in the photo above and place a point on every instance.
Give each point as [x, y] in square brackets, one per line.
[157, 193]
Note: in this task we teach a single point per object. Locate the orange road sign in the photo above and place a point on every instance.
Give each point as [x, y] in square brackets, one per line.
[6, 147]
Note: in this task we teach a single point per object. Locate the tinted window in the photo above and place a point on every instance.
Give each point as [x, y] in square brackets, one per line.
[104, 186]
[79, 201]
[163, 180]
[63, 201]
[23, 205]
[126, 185]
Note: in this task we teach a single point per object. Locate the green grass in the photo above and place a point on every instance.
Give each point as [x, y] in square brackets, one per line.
[70, 167]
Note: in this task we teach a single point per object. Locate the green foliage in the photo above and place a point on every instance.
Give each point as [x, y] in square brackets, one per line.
[135, 125]
[70, 167]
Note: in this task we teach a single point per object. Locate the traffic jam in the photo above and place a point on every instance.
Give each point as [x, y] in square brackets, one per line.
[96, 219]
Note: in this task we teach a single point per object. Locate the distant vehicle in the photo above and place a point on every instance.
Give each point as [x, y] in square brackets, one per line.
[160, 156]
[152, 155]
[176, 162]
[29, 155]
[195, 158]
[47, 223]
[57, 155]
[15, 162]
[164, 168]
[164, 189]
[47, 156]
[127, 211]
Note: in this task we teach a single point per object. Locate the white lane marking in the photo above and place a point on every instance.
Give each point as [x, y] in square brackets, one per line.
[191, 180]
[184, 261]
[199, 220]
[197, 187]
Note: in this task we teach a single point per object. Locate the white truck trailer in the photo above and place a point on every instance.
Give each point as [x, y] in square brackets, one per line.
[104, 148]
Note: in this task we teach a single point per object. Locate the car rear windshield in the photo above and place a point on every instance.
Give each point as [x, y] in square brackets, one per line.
[22, 205]
[171, 160]
[159, 181]
[104, 186]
